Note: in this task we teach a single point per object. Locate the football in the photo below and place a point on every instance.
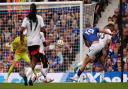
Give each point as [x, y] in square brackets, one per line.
[60, 43]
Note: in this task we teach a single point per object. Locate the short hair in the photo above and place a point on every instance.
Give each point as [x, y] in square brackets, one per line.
[110, 26]
[110, 18]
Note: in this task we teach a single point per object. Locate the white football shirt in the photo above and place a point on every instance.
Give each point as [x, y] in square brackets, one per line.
[104, 38]
[33, 34]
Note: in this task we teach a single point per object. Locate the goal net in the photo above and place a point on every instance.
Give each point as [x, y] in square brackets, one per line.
[63, 20]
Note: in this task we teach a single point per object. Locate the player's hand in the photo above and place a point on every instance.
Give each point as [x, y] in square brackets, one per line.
[113, 33]
[22, 40]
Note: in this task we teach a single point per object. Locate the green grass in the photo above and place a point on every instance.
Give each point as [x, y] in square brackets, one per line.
[67, 86]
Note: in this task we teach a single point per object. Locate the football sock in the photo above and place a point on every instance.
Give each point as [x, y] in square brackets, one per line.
[10, 70]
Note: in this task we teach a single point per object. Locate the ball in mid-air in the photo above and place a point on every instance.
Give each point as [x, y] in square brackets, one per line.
[60, 43]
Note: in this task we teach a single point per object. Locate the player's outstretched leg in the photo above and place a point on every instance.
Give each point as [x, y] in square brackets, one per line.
[81, 69]
[44, 68]
[23, 75]
[25, 80]
[33, 63]
[10, 71]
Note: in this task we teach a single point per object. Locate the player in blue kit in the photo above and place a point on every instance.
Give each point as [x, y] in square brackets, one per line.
[92, 41]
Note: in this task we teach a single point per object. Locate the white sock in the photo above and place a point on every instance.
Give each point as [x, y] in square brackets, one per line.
[44, 72]
[102, 75]
[28, 72]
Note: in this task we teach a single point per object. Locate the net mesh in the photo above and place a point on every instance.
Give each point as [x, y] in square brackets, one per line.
[61, 22]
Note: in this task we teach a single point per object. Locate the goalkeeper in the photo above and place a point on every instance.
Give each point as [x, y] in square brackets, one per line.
[20, 52]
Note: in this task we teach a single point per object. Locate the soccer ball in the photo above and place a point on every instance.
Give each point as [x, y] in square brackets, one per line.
[60, 43]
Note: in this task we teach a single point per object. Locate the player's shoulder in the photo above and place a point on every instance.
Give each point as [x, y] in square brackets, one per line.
[108, 30]
[17, 38]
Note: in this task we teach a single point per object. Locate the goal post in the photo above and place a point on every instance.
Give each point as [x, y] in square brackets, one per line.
[63, 20]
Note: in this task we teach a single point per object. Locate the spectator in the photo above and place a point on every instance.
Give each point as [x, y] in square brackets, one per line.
[108, 65]
[87, 1]
[10, 25]
[55, 62]
[117, 66]
[6, 34]
[110, 19]
[1, 67]
[126, 65]
[97, 67]
[1, 56]
[125, 54]
[63, 26]
[116, 15]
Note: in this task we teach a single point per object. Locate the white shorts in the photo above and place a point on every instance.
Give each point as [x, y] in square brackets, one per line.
[38, 67]
[94, 49]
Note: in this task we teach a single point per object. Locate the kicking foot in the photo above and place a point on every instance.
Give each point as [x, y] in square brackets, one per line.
[103, 81]
[30, 83]
[75, 78]
[48, 80]
[35, 78]
[25, 80]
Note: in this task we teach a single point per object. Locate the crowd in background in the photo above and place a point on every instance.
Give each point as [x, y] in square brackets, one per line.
[64, 24]
[60, 23]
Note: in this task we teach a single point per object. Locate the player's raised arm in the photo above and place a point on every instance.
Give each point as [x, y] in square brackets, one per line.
[43, 30]
[110, 26]
[106, 32]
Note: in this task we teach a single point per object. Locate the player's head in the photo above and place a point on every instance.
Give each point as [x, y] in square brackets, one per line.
[33, 12]
[110, 19]
[110, 26]
[33, 8]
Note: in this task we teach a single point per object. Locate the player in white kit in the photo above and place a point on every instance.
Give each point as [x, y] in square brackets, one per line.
[34, 24]
[105, 40]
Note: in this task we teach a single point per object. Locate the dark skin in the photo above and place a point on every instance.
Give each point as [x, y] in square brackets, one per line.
[33, 63]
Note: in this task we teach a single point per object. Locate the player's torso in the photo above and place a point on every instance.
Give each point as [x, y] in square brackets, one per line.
[90, 35]
[33, 32]
[104, 38]
[20, 48]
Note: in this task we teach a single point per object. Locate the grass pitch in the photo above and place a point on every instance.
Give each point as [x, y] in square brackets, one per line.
[67, 86]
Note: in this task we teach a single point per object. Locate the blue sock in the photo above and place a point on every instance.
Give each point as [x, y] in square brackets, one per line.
[79, 72]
